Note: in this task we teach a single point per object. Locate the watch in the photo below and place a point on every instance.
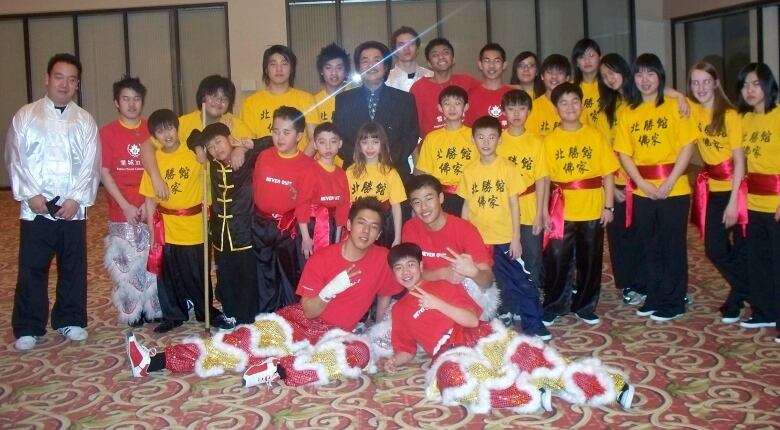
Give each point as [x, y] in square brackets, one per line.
[610, 209]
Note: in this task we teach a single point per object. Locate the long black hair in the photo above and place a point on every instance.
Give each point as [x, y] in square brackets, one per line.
[609, 98]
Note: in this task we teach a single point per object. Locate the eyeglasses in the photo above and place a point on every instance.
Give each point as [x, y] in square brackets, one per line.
[526, 66]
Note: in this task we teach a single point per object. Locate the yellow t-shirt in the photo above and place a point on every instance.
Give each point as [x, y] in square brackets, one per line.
[575, 155]
[184, 175]
[326, 104]
[374, 183]
[590, 102]
[444, 154]
[257, 111]
[653, 135]
[486, 188]
[761, 139]
[527, 152]
[608, 130]
[715, 149]
[543, 118]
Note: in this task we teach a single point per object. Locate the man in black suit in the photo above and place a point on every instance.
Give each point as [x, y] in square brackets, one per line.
[375, 101]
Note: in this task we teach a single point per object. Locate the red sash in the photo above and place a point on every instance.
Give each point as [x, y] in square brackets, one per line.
[653, 171]
[762, 184]
[557, 204]
[155, 260]
[284, 222]
[449, 189]
[720, 172]
[321, 215]
[528, 190]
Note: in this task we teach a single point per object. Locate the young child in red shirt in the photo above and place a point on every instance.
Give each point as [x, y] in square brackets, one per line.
[329, 193]
[279, 182]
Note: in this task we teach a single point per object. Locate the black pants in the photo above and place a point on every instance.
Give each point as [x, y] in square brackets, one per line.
[40, 240]
[279, 263]
[237, 284]
[532, 253]
[453, 204]
[624, 252]
[661, 228]
[763, 255]
[182, 280]
[725, 247]
[388, 229]
[584, 239]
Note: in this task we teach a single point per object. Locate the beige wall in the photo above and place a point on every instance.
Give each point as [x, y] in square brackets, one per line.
[253, 24]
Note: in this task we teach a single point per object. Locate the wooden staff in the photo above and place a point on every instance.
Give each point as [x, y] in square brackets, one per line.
[205, 208]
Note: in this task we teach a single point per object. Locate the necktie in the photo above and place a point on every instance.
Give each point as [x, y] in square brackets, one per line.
[372, 99]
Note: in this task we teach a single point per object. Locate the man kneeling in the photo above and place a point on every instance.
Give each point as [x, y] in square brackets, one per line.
[299, 342]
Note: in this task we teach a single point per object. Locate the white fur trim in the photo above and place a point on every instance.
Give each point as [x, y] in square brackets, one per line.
[590, 366]
[219, 343]
[199, 369]
[535, 403]
[288, 348]
[488, 299]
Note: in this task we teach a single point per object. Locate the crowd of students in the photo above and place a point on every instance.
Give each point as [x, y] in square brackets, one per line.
[499, 211]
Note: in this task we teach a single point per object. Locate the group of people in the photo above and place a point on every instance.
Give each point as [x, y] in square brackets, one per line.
[418, 203]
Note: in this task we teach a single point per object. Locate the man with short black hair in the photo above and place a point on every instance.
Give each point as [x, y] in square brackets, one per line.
[53, 158]
[405, 42]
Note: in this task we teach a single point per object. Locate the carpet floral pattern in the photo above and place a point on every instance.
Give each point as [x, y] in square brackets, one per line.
[692, 373]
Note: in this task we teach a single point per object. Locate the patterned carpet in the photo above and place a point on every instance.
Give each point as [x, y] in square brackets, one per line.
[693, 373]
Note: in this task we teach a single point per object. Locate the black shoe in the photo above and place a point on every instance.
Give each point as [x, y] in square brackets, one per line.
[223, 323]
[666, 315]
[541, 333]
[588, 317]
[756, 323]
[645, 311]
[137, 323]
[166, 326]
[548, 319]
[626, 396]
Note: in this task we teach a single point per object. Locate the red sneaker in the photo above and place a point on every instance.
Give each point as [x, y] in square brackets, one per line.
[138, 355]
[263, 373]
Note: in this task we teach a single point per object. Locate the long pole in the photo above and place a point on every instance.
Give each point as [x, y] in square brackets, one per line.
[204, 211]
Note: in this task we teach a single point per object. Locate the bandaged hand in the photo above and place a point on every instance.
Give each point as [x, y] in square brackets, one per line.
[340, 283]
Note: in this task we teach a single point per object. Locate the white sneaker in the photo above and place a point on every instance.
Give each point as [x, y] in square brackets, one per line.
[546, 400]
[26, 343]
[73, 332]
[626, 396]
[263, 373]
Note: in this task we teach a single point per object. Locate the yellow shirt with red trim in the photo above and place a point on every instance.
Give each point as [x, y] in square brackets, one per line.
[576, 155]
[184, 177]
[716, 148]
[527, 152]
[194, 121]
[486, 188]
[608, 130]
[385, 186]
[444, 154]
[761, 140]
[653, 135]
[543, 118]
[257, 111]
[590, 102]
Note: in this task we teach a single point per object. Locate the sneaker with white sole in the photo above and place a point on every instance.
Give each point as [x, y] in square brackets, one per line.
[588, 318]
[546, 399]
[507, 319]
[756, 323]
[263, 373]
[26, 343]
[73, 332]
[548, 319]
[139, 356]
[626, 396]
[666, 315]
[645, 311]
[729, 317]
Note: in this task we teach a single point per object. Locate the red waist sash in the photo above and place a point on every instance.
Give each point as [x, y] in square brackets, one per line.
[528, 190]
[762, 184]
[284, 222]
[720, 172]
[653, 171]
[155, 260]
[557, 204]
[449, 189]
[321, 215]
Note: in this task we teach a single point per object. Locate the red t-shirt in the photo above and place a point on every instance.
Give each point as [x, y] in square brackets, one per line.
[346, 309]
[483, 101]
[457, 234]
[426, 96]
[330, 189]
[120, 152]
[413, 325]
[277, 183]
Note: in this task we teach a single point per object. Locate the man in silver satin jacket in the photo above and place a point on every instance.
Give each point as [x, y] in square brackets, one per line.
[52, 153]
